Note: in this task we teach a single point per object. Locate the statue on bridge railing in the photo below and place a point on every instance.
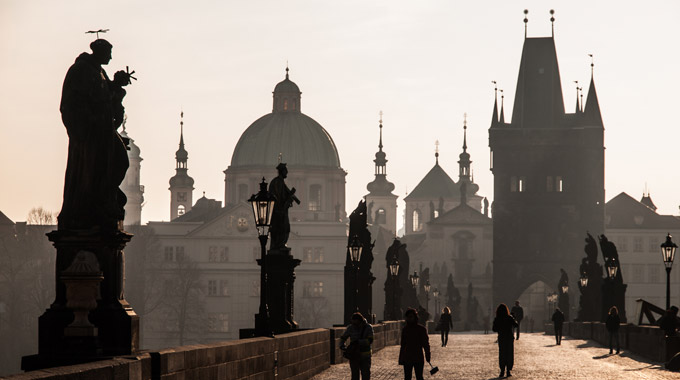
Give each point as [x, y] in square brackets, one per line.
[613, 289]
[590, 306]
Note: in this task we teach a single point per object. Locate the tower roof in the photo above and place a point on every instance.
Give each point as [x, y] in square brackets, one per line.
[181, 155]
[494, 115]
[436, 184]
[538, 98]
[592, 115]
[380, 185]
[647, 201]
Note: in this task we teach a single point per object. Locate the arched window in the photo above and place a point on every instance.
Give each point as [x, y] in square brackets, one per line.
[181, 210]
[285, 104]
[417, 221]
[314, 203]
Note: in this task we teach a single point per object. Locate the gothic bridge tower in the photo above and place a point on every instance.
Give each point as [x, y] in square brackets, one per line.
[548, 169]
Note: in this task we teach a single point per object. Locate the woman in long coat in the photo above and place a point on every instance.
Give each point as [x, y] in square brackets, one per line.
[503, 325]
[445, 324]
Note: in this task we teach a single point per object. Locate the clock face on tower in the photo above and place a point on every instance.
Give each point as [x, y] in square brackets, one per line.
[242, 224]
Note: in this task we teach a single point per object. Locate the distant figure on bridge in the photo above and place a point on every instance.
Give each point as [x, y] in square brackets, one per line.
[414, 340]
[360, 334]
[503, 324]
[518, 313]
[558, 320]
[613, 323]
[669, 321]
[445, 323]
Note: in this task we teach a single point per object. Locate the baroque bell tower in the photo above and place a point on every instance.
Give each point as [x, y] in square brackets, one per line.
[381, 203]
[181, 185]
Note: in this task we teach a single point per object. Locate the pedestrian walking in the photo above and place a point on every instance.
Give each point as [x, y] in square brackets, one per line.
[360, 334]
[613, 323]
[518, 313]
[558, 320]
[503, 325]
[414, 340]
[445, 324]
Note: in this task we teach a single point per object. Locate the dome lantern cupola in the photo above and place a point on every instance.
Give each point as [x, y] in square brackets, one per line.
[287, 96]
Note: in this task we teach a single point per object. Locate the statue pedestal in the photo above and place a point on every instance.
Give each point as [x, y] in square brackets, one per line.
[280, 289]
[116, 326]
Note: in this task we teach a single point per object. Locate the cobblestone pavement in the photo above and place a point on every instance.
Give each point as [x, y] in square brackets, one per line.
[475, 356]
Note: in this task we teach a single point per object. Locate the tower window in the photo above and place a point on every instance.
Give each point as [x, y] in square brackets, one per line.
[242, 192]
[558, 184]
[381, 216]
[182, 197]
[314, 198]
[181, 210]
[436, 214]
[417, 221]
[285, 104]
[522, 184]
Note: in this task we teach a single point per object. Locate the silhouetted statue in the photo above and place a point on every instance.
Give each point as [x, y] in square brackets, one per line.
[563, 299]
[369, 213]
[590, 300]
[92, 110]
[453, 298]
[280, 227]
[613, 289]
[486, 207]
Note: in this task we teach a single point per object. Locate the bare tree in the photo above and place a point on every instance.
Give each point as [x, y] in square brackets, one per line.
[40, 216]
[313, 312]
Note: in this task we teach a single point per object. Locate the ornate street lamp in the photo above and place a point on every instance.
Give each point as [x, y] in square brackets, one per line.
[565, 289]
[435, 294]
[415, 280]
[427, 288]
[612, 268]
[584, 280]
[263, 208]
[394, 274]
[355, 249]
[668, 253]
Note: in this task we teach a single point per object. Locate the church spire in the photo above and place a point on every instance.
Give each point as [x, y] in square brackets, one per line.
[464, 162]
[181, 156]
[578, 106]
[380, 184]
[494, 116]
[181, 185]
[287, 95]
[436, 152]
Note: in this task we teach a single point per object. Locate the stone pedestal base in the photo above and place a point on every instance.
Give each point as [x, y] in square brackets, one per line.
[280, 290]
[117, 325]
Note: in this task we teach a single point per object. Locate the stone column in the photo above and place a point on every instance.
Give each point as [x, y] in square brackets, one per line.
[280, 290]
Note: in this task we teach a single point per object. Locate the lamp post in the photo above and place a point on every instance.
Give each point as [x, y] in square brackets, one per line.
[565, 289]
[426, 287]
[435, 294]
[355, 249]
[394, 274]
[584, 280]
[415, 280]
[263, 208]
[612, 268]
[668, 253]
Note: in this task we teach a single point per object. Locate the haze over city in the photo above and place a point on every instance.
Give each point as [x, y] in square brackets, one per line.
[424, 65]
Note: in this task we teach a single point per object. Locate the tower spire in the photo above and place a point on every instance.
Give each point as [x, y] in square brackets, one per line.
[465, 132]
[436, 152]
[526, 21]
[380, 144]
[181, 129]
[502, 117]
[578, 107]
[591, 111]
[464, 161]
[494, 117]
[380, 185]
[552, 21]
[286, 69]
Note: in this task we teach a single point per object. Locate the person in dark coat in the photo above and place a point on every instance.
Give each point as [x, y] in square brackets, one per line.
[503, 325]
[518, 313]
[445, 323]
[613, 322]
[359, 332]
[558, 320]
[669, 321]
[414, 340]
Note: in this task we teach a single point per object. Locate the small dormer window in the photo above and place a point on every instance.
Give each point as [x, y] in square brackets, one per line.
[285, 104]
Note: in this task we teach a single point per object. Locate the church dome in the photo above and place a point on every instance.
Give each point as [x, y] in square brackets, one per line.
[301, 141]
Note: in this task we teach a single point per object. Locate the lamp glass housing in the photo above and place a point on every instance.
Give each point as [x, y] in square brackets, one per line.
[394, 268]
[263, 208]
[668, 251]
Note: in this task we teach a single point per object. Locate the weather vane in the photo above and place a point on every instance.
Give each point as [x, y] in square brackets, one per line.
[97, 32]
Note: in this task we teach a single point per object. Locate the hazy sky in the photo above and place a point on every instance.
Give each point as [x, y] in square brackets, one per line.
[424, 63]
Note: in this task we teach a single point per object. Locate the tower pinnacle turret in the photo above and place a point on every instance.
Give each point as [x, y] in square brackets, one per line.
[181, 185]
[382, 204]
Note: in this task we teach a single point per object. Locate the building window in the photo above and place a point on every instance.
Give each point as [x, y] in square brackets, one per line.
[218, 322]
[637, 244]
[169, 254]
[255, 288]
[638, 273]
[436, 214]
[212, 287]
[522, 184]
[212, 254]
[224, 288]
[653, 245]
[315, 198]
[381, 216]
[312, 255]
[623, 241]
[181, 197]
[312, 289]
[417, 221]
[285, 104]
[224, 254]
[243, 192]
[558, 184]
[181, 210]
[654, 274]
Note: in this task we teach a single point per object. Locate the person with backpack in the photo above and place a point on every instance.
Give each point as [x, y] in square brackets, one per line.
[358, 352]
[414, 340]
